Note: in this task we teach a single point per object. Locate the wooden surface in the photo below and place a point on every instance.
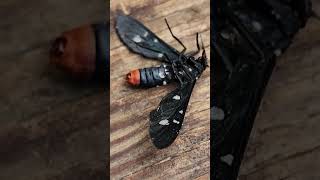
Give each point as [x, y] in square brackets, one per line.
[51, 127]
[285, 140]
[54, 128]
[132, 154]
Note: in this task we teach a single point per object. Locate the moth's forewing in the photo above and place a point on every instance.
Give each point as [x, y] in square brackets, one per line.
[167, 119]
[141, 40]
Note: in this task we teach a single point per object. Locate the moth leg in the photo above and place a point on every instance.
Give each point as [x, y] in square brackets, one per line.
[181, 53]
[176, 72]
[193, 53]
[195, 64]
[177, 39]
[247, 35]
[186, 70]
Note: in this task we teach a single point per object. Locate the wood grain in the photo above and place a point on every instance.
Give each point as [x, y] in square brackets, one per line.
[285, 141]
[132, 155]
[51, 127]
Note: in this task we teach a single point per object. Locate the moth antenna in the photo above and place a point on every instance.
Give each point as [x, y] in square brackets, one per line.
[175, 37]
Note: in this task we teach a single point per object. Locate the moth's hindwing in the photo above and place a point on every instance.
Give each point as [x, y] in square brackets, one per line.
[167, 119]
[141, 40]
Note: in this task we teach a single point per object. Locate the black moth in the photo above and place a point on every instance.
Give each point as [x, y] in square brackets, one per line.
[166, 120]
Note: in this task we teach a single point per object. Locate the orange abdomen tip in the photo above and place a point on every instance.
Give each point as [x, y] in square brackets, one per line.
[75, 52]
[133, 77]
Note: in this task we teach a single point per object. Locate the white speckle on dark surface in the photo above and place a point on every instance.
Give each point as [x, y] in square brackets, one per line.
[217, 113]
[155, 40]
[161, 74]
[176, 97]
[164, 82]
[256, 26]
[175, 121]
[225, 35]
[164, 122]
[145, 34]
[227, 159]
[137, 39]
[276, 14]
[190, 69]
[277, 52]
[181, 111]
[160, 55]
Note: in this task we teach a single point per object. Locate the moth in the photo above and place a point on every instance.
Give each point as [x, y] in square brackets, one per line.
[166, 120]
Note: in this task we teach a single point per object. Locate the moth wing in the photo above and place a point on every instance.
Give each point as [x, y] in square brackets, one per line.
[141, 40]
[167, 119]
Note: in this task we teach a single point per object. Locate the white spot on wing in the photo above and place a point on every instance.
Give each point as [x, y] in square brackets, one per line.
[227, 159]
[276, 14]
[164, 122]
[160, 55]
[155, 40]
[277, 52]
[225, 35]
[145, 34]
[181, 111]
[161, 74]
[190, 69]
[217, 113]
[175, 121]
[164, 82]
[257, 26]
[176, 97]
[137, 39]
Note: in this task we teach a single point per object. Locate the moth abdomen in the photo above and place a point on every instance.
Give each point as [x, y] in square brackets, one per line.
[83, 52]
[151, 77]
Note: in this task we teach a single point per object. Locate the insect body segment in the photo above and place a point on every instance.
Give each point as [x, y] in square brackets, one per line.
[83, 52]
[151, 77]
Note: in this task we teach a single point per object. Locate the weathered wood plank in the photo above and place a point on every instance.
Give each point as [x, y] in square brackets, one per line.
[132, 153]
[285, 141]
